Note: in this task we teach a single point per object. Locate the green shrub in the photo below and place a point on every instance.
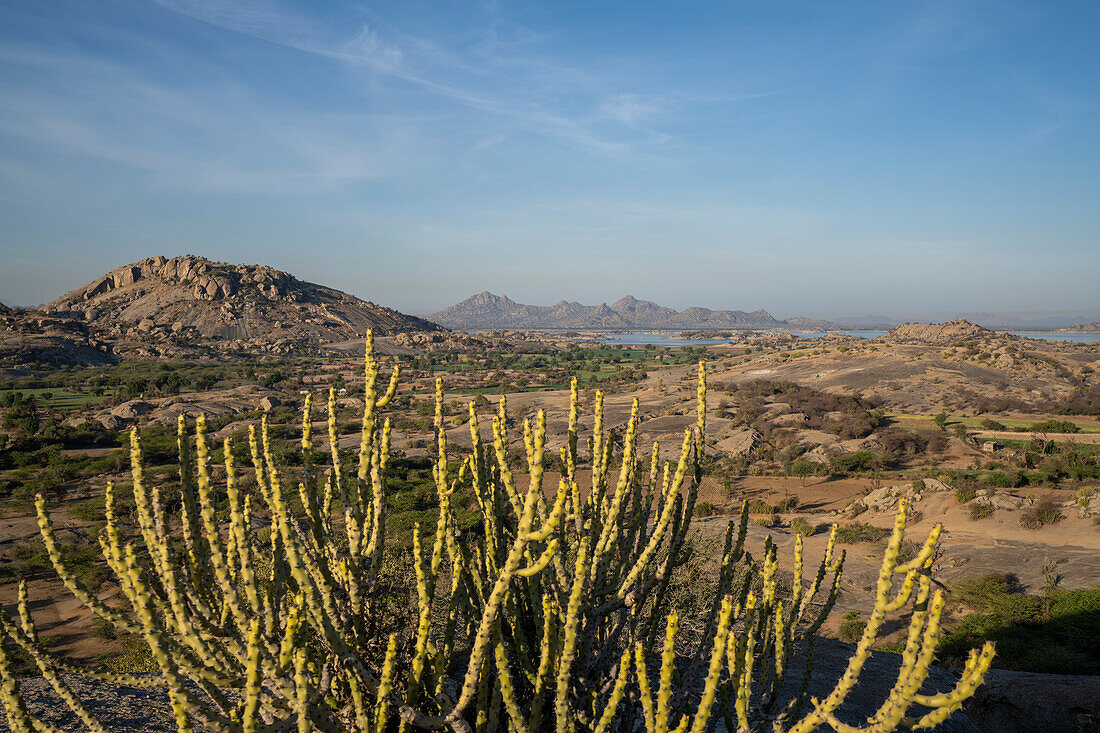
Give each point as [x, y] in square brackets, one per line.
[852, 462]
[851, 627]
[1055, 426]
[706, 509]
[759, 506]
[980, 511]
[1057, 633]
[856, 532]
[1044, 513]
[789, 504]
[1005, 479]
[802, 527]
[965, 494]
[90, 510]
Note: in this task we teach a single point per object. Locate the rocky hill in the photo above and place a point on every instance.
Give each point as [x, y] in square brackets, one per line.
[192, 299]
[486, 310]
[959, 329]
[1093, 327]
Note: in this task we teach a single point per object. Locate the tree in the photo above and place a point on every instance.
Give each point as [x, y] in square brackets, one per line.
[803, 469]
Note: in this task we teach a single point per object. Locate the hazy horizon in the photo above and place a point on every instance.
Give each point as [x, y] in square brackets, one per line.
[806, 159]
[1083, 315]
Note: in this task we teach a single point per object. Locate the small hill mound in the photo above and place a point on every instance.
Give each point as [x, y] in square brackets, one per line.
[959, 329]
[187, 298]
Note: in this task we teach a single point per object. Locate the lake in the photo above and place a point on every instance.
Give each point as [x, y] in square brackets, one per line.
[643, 338]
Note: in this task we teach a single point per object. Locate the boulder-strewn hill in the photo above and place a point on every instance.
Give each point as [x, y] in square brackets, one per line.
[1093, 327]
[486, 310]
[937, 333]
[179, 298]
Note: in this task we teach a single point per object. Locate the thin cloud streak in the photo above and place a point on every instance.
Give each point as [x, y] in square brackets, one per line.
[393, 59]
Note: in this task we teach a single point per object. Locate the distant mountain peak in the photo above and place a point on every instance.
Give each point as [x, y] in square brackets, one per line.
[625, 313]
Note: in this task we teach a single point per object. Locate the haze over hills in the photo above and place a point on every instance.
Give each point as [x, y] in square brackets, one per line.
[486, 310]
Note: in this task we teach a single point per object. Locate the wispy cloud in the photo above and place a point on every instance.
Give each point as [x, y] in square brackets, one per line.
[227, 139]
[526, 99]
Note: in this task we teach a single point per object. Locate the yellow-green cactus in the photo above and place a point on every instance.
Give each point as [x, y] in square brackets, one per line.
[545, 618]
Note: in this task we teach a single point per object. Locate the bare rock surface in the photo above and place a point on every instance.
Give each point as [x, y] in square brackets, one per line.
[166, 410]
[31, 337]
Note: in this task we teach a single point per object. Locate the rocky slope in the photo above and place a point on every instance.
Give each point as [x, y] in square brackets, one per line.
[486, 310]
[30, 337]
[190, 299]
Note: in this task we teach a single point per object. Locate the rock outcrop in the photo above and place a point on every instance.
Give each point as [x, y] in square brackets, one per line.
[30, 337]
[951, 332]
[190, 299]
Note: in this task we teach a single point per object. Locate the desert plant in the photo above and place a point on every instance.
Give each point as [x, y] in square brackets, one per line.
[979, 511]
[801, 527]
[851, 627]
[965, 494]
[855, 532]
[759, 506]
[1043, 513]
[706, 509]
[539, 619]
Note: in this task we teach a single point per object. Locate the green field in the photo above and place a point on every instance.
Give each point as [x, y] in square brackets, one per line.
[60, 398]
[975, 423]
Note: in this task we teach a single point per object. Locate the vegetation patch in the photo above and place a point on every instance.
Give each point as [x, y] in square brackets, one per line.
[1044, 513]
[979, 511]
[1054, 633]
[856, 532]
[965, 494]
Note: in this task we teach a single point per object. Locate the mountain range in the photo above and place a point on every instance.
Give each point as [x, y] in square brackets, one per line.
[486, 310]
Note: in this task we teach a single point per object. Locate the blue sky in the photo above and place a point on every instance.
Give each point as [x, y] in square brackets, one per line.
[805, 157]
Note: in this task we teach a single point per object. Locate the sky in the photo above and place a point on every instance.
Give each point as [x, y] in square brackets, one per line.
[814, 158]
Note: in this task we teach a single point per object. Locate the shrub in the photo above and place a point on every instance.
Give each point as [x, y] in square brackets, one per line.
[759, 506]
[1004, 480]
[706, 509]
[855, 532]
[1044, 513]
[852, 462]
[980, 511]
[1058, 633]
[989, 424]
[851, 627]
[1055, 426]
[789, 504]
[965, 494]
[802, 527]
[90, 510]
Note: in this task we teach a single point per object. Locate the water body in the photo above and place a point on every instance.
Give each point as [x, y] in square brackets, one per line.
[643, 338]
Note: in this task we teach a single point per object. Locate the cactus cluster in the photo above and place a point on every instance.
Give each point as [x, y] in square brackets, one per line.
[548, 615]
